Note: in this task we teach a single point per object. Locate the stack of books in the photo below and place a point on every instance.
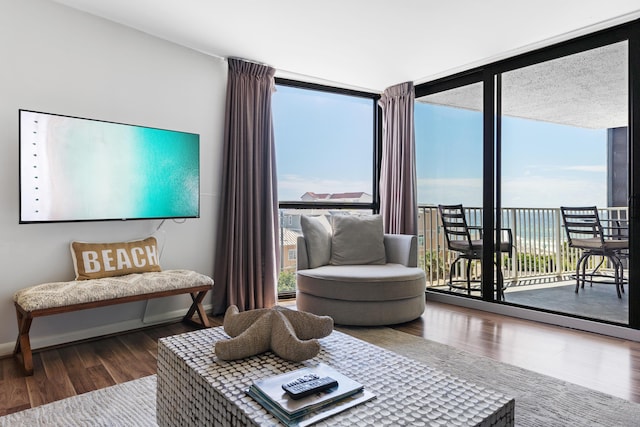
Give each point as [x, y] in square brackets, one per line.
[307, 410]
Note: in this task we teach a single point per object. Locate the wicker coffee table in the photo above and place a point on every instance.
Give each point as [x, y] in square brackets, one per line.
[196, 389]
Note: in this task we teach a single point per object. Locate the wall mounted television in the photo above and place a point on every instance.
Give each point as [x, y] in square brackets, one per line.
[78, 169]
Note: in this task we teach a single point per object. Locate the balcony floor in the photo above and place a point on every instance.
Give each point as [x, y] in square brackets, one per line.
[598, 301]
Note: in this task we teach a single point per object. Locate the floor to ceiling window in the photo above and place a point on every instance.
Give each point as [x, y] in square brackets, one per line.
[564, 144]
[551, 129]
[326, 154]
[448, 126]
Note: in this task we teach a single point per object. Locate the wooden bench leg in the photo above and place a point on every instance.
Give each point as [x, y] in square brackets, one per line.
[196, 307]
[23, 344]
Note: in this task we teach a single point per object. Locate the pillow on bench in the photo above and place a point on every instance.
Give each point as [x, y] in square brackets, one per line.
[98, 260]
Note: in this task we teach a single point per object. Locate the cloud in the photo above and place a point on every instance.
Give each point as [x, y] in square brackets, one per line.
[587, 168]
[292, 187]
[527, 191]
[550, 192]
[467, 191]
[551, 169]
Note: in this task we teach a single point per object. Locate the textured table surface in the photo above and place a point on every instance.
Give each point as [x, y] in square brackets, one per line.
[195, 388]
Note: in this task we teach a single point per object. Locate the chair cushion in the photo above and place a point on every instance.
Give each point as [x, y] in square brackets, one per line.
[596, 243]
[317, 237]
[476, 245]
[362, 282]
[616, 244]
[357, 240]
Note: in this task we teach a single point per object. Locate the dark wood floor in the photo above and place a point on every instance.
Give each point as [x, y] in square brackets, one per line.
[607, 364]
[610, 365]
[78, 368]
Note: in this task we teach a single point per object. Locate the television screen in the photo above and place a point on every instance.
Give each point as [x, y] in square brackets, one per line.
[75, 169]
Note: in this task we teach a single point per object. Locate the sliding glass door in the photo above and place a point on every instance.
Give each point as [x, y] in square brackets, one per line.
[449, 151]
[516, 143]
[564, 143]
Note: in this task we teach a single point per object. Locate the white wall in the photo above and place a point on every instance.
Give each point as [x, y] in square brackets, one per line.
[59, 60]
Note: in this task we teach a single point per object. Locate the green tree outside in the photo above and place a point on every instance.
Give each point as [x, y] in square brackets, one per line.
[287, 281]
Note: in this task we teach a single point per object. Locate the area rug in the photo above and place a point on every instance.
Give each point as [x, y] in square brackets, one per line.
[540, 400]
[128, 404]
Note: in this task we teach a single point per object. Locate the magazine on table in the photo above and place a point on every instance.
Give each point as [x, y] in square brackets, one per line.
[307, 410]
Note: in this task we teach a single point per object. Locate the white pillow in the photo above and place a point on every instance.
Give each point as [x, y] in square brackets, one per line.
[317, 236]
[357, 240]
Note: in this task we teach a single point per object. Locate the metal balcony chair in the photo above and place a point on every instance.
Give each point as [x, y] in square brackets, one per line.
[458, 235]
[585, 231]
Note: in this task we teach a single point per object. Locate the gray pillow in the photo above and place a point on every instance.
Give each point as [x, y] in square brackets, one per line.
[357, 240]
[317, 236]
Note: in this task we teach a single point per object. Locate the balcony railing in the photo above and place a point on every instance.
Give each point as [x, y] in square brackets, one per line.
[541, 251]
[540, 244]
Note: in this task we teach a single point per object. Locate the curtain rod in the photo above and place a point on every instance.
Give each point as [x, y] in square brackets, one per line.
[249, 61]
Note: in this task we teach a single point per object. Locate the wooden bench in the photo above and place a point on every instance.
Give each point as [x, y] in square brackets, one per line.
[65, 297]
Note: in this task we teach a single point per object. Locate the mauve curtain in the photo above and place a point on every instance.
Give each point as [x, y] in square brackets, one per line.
[247, 251]
[398, 204]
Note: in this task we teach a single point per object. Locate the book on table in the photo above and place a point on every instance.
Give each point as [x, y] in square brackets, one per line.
[307, 410]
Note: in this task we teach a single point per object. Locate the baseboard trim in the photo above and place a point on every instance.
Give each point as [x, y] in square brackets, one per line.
[6, 349]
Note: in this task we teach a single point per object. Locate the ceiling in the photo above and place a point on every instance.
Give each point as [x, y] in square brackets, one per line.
[588, 89]
[363, 44]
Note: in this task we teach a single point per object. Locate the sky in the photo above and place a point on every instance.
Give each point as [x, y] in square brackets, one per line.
[324, 145]
[323, 142]
[543, 164]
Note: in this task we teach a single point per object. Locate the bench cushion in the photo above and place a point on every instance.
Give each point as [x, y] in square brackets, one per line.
[61, 294]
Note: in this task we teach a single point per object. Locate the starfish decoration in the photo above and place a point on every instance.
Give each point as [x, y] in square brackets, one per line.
[290, 334]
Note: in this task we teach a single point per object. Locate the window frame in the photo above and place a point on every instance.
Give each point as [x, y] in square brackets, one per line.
[374, 205]
[491, 74]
